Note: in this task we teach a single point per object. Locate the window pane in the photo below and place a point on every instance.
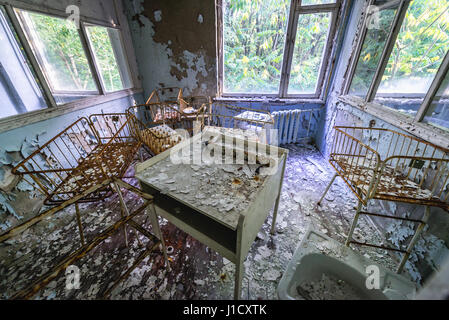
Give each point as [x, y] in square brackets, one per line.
[109, 57]
[254, 39]
[373, 46]
[311, 39]
[315, 2]
[58, 48]
[18, 88]
[419, 49]
[438, 114]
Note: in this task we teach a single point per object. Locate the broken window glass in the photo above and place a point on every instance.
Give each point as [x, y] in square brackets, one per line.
[110, 58]
[58, 49]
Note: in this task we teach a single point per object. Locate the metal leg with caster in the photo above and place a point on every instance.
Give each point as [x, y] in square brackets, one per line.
[354, 224]
[415, 238]
[327, 189]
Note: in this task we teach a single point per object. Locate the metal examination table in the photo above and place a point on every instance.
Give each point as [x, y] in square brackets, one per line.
[221, 205]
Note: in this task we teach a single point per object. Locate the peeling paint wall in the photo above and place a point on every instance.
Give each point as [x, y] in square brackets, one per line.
[175, 44]
[432, 248]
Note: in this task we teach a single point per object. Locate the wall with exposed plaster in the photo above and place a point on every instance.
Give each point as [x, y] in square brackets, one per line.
[432, 249]
[175, 44]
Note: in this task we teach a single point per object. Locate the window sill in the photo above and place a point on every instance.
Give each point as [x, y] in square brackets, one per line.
[24, 119]
[270, 100]
[421, 130]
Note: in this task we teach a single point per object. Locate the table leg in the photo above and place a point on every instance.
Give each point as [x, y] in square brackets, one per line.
[276, 206]
[80, 226]
[157, 230]
[239, 271]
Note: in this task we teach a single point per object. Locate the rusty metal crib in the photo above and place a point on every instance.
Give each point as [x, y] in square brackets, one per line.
[249, 122]
[81, 156]
[168, 106]
[384, 164]
[85, 162]
[154, 122]
[157, 137]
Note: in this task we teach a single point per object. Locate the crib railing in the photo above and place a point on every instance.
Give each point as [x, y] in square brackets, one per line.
[248, 121]
[106, 125]
[54, 161]
[385, 164]
[157, 138]
[79, 158]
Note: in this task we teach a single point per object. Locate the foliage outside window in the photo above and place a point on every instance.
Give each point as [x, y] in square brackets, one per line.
[59, 51]
[109, 56]
[254, 37]
[419, 49]
[311, 38]
[371, 52]
[257, 59]
[407, 62]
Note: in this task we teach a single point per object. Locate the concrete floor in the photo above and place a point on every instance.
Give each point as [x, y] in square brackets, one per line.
[197, 272]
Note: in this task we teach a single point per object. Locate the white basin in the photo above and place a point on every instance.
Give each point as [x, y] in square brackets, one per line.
[322, 268]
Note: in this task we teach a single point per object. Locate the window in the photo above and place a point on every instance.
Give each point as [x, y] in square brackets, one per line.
[438, 112]
[401, 63]
[311, 38]
[59, 51]
[49, 60]
[19, 91]
[419, 49]
[254, 37]
[109, 56]
[371, 51]
[257, 57]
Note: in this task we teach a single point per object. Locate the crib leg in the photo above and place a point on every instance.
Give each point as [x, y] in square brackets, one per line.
[327, 189]
[415, 238]
[354, 224]
[123, 208]
[78, 220]
[141, 154]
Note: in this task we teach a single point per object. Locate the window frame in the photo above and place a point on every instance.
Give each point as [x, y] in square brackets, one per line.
[52, 109]
[296, 9]
[411, 124]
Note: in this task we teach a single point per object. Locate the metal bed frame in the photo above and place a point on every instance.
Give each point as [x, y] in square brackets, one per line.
[85, 162]
[175, 110]
[383, 164]
[156, 137]
[248, 122]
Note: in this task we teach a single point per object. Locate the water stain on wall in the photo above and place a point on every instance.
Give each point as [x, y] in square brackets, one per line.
[186, 32]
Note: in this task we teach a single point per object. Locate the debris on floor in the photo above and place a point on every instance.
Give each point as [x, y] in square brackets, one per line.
[196, 271]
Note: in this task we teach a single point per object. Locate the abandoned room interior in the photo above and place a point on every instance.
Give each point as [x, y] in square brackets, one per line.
[224, 149]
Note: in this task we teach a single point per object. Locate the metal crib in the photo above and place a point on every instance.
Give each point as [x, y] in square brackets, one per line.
[157, 137]
[247, 122]
[85, 162]
[388, 165]
[169, 106]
